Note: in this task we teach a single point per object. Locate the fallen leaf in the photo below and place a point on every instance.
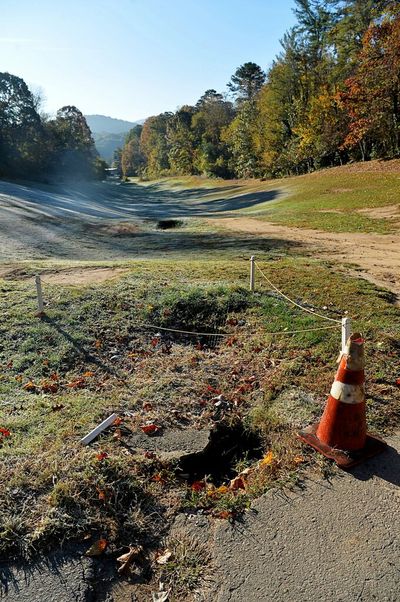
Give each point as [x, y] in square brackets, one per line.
[147, 406]
[150, 429]
[268, 459]
[163, 558]
[78, 383]
[237, 483]
[198, 485]
[298, 459]
[5, 432]
[117, 421]
[88, 374]
[49, 387]
[97, 548]
[54, 376]
[29, 386]
[101, 456]
[224, 514]
[117, 434]
[150, 455]
[102, 495]
[126, 559]
[98, 344]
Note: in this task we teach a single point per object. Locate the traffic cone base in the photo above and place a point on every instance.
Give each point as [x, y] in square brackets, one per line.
[344, 459]
[341, 433]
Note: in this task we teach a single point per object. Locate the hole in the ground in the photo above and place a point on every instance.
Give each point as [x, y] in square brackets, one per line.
[169, 224]
[227, 446]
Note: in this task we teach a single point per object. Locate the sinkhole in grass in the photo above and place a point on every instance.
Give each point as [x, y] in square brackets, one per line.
[169, 224]
[228, 446]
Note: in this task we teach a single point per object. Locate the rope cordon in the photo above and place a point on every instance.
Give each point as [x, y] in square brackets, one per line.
[310, 311]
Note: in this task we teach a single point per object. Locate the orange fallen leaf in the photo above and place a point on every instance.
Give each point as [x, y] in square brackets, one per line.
[78, 383]
[224, 514]
[117, 421]
[29, 386]
[98, 344]
[101, 456]
[88, 374]
[97, 548]
[268, 459]
[5, 432]
[49, 387]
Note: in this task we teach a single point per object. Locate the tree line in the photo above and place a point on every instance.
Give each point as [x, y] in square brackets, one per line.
[331, 96]
[35, 146]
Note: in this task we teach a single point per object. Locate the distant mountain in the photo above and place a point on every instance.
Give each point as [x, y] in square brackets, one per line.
[101, 124]
[109, 133]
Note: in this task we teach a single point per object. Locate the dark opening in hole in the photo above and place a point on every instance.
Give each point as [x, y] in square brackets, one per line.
[227, 445]
[169, 224]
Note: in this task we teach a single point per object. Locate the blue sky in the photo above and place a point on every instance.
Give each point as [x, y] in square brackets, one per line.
[135, 58]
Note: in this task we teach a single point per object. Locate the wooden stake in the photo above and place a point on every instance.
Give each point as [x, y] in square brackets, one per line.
[346, 332]
[252, 273]
[39, 294]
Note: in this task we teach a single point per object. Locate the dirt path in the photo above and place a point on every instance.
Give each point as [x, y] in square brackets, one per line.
[378, 255]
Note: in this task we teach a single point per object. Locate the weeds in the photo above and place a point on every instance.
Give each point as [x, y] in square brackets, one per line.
[89, 357]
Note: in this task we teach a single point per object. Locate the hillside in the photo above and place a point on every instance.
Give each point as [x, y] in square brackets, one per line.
[103, 124]
[109, 133]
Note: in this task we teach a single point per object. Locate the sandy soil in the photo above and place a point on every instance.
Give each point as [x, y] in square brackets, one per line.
[378, 255]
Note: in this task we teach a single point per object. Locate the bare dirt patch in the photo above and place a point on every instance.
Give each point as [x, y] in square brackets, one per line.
[82, 276]
[72, 277]
[378, 255]
[391, 212]
[116, 229]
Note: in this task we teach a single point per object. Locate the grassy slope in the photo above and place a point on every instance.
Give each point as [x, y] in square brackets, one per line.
[88, 358]
[326, 200]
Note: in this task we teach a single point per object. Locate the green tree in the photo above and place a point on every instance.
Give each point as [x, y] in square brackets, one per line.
[22, 144]
[213, 115]
[132, 160]
[154, 144]
[246, 82]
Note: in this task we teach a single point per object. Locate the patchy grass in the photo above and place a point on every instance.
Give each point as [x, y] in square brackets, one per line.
[89, 356]
[329, 199]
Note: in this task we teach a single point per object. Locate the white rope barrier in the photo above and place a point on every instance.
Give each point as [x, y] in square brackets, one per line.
[310, 311]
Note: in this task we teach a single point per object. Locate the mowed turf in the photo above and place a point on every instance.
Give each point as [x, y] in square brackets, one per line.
[330, 200]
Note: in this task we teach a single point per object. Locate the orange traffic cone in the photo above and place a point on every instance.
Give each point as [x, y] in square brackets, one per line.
[341, 434]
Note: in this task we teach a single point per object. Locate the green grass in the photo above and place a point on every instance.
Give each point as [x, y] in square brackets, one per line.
[327, 200]
[90, 346]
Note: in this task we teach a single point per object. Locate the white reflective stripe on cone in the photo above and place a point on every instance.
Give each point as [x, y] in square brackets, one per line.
[347, 393]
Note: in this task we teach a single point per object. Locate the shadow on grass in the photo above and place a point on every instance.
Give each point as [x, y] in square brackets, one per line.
[83, 352]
